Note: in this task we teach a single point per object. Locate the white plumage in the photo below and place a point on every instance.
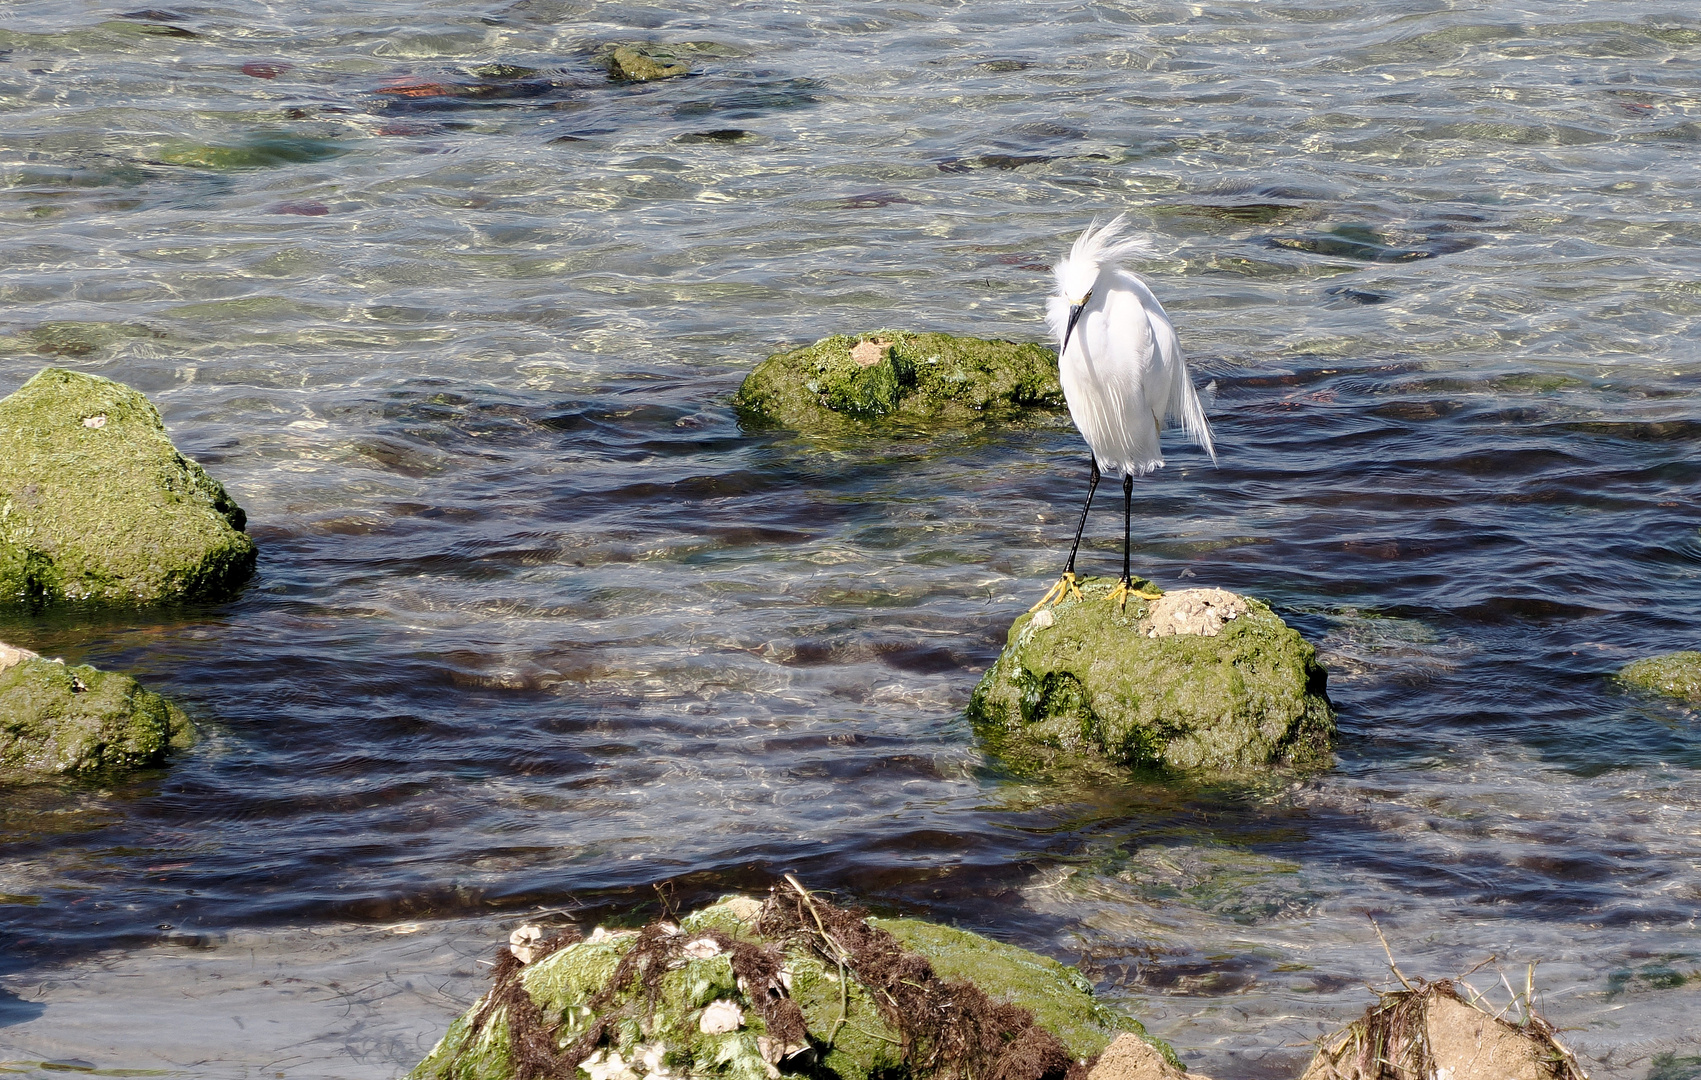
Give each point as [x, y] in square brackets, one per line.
[1122, 373]
[1121, 369]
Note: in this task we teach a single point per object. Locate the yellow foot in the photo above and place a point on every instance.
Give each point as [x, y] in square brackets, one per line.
[1064, 589]
[1124, 589]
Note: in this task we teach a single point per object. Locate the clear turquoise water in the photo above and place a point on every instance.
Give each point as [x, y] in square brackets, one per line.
[537, 625]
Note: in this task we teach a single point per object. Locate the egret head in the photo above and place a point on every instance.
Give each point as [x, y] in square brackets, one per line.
[1097, 248]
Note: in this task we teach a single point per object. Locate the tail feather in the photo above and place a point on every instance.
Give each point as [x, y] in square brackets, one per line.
[1189, 411]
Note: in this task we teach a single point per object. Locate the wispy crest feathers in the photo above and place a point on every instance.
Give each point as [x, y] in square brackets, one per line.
[1107, 246]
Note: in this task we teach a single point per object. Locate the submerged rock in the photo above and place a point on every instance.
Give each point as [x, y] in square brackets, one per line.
[745, 990]
[97, 505]
[1675, 675]
[1199, 678]
[57, 718]
[644, 63]
[893, 375]
[1427, 1031]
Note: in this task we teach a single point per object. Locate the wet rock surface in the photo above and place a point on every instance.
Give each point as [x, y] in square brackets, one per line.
[98, 506]
[1428, 1031]
[896, 376]
[62, 719]
[1199, 678]
[644, 63]
[1130, 1057]
[1676, 675]
[749, 990]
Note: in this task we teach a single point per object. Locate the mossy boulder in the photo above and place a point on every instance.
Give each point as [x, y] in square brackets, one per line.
[1675, 675]
[1172, 682]
[644, 63]
[694, 1007]
[63, 719]
[97, 505]
[891, 375]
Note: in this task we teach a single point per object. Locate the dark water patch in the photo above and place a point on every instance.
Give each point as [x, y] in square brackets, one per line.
[1357, 296]
[1001, 162]
[448, 95]
[742, 96]
[718, 135]
[1366, 243]
[1678, 431]
[1252, 213]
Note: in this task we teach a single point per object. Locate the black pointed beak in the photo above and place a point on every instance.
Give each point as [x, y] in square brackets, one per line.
[1074, 317]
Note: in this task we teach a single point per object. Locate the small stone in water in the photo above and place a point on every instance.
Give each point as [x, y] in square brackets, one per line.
[721, 1017]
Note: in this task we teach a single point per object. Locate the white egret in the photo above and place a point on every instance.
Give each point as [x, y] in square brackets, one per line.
[1122, 373]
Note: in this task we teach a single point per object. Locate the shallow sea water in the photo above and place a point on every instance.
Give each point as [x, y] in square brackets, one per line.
[538, 628]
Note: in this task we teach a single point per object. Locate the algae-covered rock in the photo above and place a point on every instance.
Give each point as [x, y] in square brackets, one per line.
[97, 505]
[893, 375]
[643, 63]
[1675, 675]
[1189, 681]
[748, 991]
[63, 719]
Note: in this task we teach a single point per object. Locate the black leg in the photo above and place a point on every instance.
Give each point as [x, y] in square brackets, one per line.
[1127, 524]
[1092, 485]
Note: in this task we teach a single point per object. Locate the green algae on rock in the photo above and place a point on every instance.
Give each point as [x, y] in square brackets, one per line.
[1200, 679]
[1675, 675]
[895, 375]
[644, 63]
[260, 152]
[97, 505]
[748, 991]
[63, 719]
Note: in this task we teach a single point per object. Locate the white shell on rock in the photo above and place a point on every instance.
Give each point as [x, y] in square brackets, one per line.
[721, 1017]
[603, 933]
[651, 1056]
[701, 949]
[1203, 612]
[608, 1065]
[1043, 618]
[523, 943]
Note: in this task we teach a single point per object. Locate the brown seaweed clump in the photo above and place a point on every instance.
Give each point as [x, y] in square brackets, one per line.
[949, 1029]
[795, 986]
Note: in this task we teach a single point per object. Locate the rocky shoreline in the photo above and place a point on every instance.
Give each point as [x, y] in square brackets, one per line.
[794, 985]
